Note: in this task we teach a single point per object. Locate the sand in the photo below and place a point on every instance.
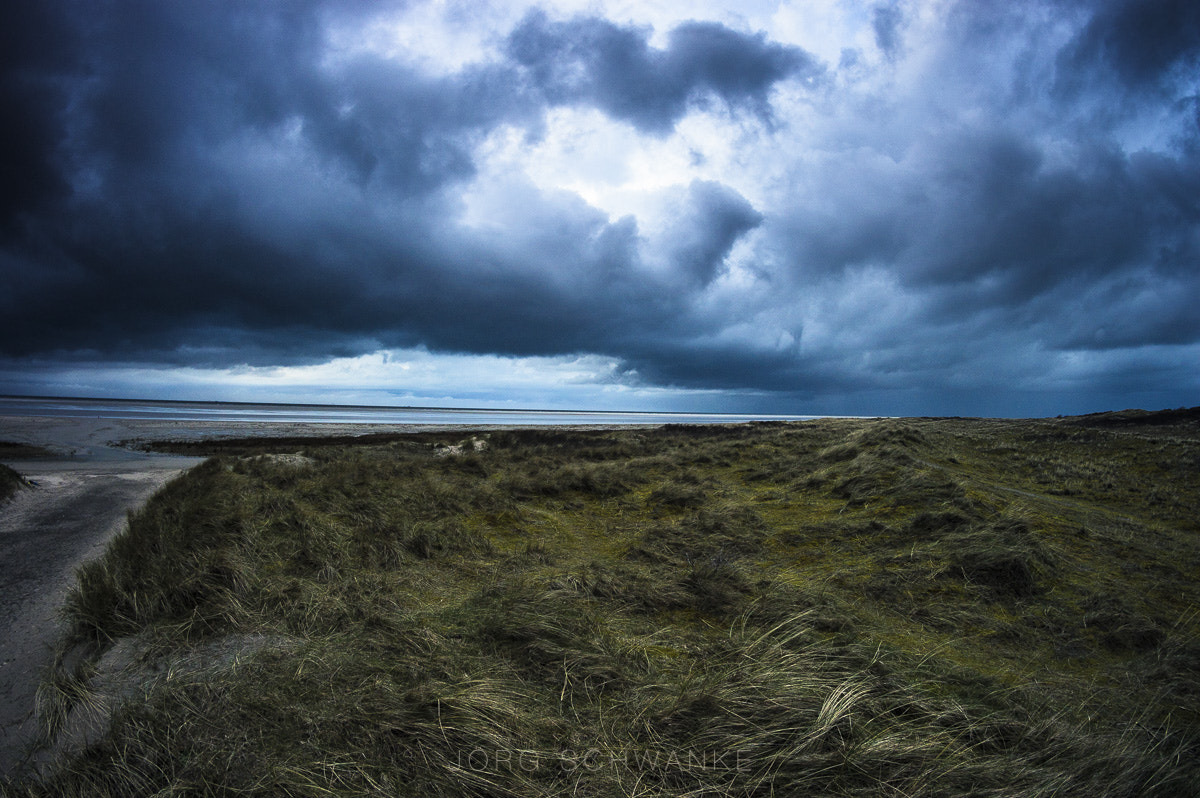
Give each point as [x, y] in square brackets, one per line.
[78, 500]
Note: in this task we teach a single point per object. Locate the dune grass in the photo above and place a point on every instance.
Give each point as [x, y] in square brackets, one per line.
[10, 483]
[839, 607]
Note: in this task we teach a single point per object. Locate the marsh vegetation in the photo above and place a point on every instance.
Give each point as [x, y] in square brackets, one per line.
[836, 607]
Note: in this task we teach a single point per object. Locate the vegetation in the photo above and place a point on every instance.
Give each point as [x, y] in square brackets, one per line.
[10, 480]
[10, 483]
[11, 450]
[836, 607]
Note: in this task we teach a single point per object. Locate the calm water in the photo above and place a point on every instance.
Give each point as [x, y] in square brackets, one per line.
[343, 414]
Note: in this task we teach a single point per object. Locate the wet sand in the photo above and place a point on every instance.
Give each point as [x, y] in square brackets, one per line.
[80, 439]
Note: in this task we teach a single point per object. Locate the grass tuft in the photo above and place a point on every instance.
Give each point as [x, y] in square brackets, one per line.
[10, 483]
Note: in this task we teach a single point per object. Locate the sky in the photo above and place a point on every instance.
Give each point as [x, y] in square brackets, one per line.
[989, 207]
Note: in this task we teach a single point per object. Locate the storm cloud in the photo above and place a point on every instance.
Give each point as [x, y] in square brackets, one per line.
[952, 208]
[588, 60]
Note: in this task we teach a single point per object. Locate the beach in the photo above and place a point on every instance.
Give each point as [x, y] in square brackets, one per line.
[93, 439]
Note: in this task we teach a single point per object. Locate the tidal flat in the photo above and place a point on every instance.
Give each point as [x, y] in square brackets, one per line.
[851, 607]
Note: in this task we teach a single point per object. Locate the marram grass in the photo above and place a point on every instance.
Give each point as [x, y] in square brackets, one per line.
[10, 483]
[850, 608]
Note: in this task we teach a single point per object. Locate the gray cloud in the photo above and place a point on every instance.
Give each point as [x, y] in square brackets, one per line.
[35, 51]
[886, 21]
[173, 245]
[211, 184]
[1144, 42]
[194, 78]
[713, 219]
[593, 61]
[1030, 203]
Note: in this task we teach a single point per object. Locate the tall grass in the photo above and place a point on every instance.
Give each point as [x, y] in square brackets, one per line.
[836, 608]
[10, 483]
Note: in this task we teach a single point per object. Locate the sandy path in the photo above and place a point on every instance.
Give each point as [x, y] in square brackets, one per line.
[79, 501]
[45, 534]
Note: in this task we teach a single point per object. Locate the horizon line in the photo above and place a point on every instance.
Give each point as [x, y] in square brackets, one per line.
[427, 407]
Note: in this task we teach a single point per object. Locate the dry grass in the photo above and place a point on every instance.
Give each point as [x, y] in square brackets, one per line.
[914, 607]
[10, 483]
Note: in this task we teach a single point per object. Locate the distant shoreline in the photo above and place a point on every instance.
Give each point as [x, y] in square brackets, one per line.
[180, 410]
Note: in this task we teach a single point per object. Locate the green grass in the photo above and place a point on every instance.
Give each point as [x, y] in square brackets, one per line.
[840, 607]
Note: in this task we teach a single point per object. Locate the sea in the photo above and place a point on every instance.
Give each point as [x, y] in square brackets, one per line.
[168, 410]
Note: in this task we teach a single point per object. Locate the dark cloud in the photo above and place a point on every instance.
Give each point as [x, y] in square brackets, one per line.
[36, 55]
[1136, 57]
[191, 78]
[712, 220]
[728, 366]
[1042, 222]
[215, 184]
[170, 78]
[999, 211]
[592, 61]
[1145, 42]
[197, 126]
